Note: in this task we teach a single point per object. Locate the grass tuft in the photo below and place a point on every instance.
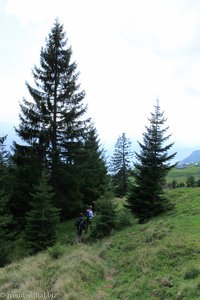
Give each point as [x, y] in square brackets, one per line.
[56, 251]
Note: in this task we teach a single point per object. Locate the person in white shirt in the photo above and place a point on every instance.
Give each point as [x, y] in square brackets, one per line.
[89, 215]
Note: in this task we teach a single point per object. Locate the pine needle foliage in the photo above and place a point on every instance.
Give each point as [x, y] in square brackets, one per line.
[146, 197]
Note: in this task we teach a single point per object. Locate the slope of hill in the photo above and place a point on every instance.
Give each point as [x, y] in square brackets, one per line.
[156, 260]
[181, 174]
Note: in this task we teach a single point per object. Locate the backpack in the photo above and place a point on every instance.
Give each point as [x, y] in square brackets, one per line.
[87, 214]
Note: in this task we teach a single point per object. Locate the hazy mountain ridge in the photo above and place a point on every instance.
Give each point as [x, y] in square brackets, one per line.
[194, 157]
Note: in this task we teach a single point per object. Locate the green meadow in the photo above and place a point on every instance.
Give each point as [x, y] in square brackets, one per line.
[181, 175]
[156, 260]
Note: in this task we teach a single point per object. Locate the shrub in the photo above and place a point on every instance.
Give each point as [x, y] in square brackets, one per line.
[190, 182]
[124, 218]
[191, 273]
[181, 184]
[174, 183]
[198, 183]
[4, 252]
[56, 251]
[105, 219]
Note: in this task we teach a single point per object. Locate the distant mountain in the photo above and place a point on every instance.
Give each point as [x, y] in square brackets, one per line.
[194, 157]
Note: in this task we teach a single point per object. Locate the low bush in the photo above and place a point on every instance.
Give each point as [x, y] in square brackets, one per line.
[105, 219]
[124, 218]
[56, 251]
[191, 273]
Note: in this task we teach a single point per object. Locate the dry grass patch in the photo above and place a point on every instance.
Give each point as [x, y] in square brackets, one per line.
[25, 276]
[80, 268]
[67, 277]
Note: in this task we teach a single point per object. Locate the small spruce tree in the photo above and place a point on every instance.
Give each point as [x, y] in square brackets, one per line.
[105, 218]
[146, 197]
[43, 217]
[6, 218]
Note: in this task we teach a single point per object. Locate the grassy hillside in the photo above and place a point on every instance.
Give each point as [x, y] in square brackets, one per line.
[181, 175]
[157, 260]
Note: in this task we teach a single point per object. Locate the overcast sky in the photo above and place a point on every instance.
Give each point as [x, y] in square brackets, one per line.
[129, 52]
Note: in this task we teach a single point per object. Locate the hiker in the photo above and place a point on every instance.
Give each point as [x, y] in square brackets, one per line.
[89, 215]
[80, 226]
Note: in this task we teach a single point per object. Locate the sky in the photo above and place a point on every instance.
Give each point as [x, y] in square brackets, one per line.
[128, 52]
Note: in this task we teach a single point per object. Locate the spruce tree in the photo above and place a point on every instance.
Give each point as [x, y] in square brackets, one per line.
[121, 164]
[6, 218]
[43, 218]
[146, 198]
[93, 171]
[25, 172]
[51, 123]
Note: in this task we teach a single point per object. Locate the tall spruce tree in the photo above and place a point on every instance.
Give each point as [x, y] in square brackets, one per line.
[121, 164]
[43, 217]
[51, 123]
[146, 198]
